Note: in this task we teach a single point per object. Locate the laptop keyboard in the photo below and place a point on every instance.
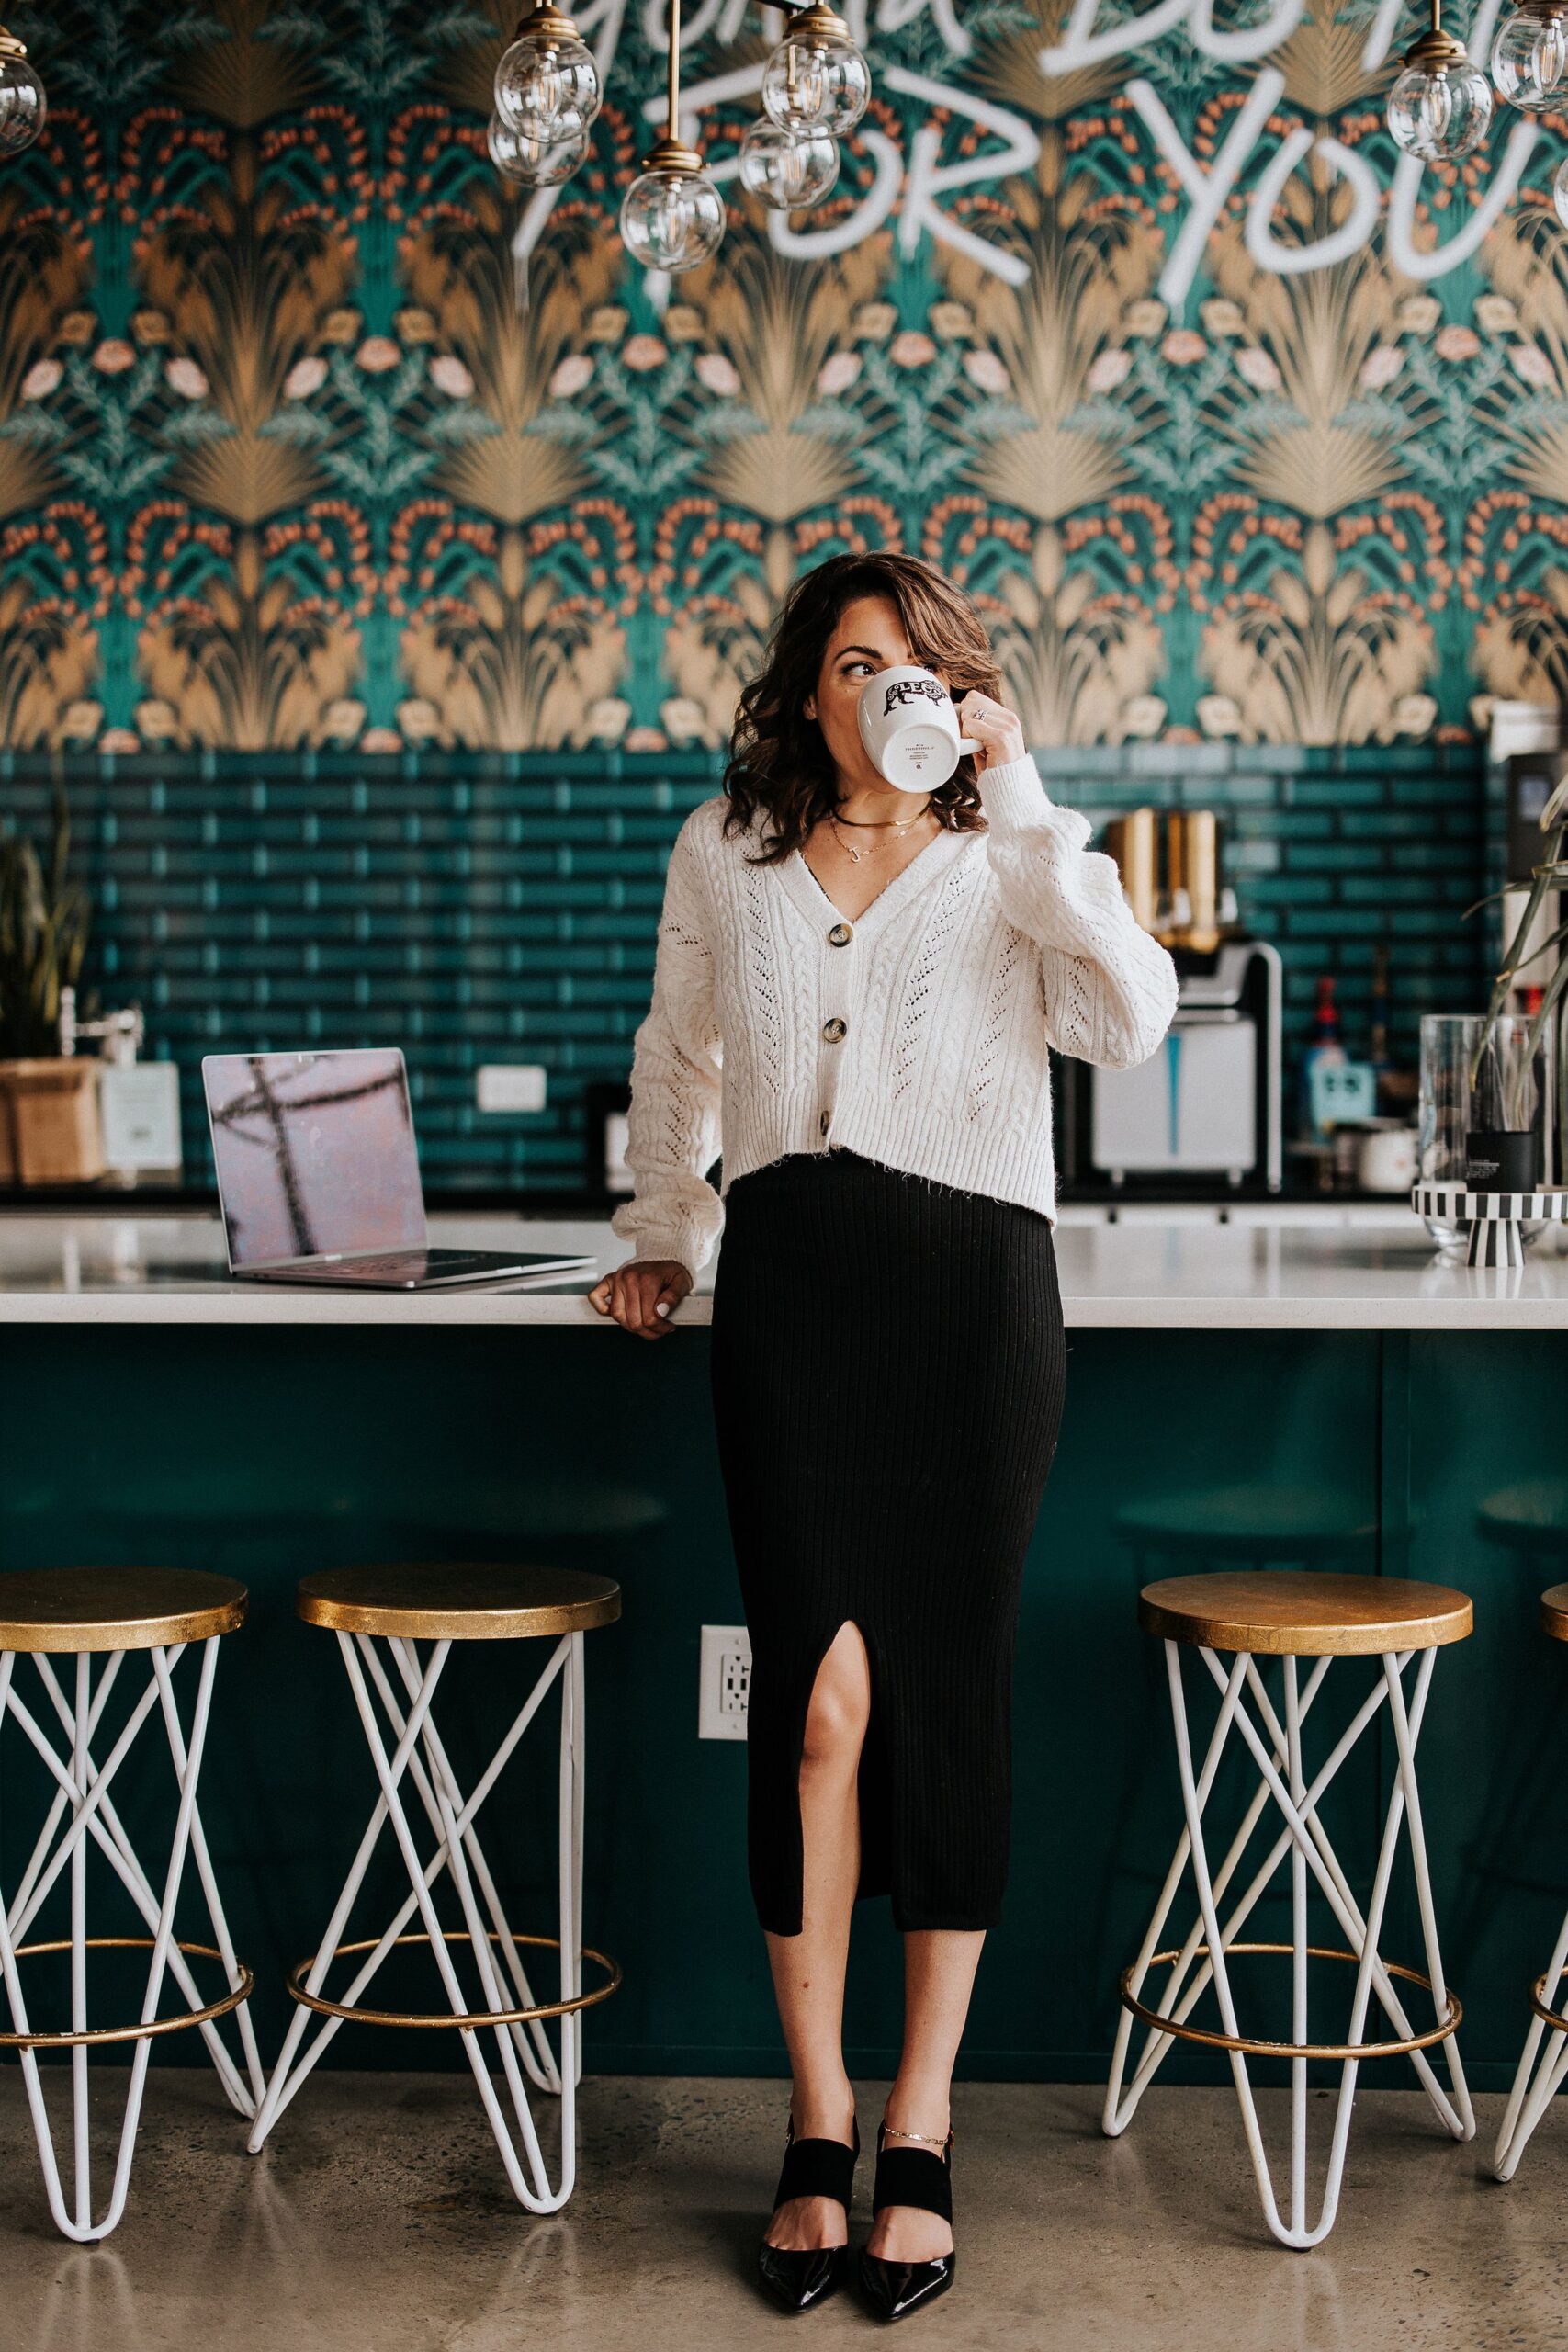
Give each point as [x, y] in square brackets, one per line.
[401, 1261]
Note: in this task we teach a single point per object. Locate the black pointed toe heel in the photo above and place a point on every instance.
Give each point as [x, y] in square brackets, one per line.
[922, 2178]
[796, 2278]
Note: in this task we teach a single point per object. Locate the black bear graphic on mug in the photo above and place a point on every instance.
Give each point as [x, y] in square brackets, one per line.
[908, 690]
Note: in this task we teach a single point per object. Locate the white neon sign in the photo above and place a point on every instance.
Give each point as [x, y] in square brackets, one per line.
[909, 183]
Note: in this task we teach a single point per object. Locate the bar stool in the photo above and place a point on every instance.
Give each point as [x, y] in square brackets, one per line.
[1294, 1615]
[108, 1613]
[400, 1608]
[1541, 2072]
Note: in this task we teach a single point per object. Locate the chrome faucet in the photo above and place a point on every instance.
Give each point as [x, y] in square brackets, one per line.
[121, 1034]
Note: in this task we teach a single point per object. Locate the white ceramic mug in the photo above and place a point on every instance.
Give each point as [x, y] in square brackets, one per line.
[1386, 1162]
[909, 728]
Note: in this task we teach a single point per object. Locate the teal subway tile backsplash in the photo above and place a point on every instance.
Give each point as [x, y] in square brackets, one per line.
[474, 907]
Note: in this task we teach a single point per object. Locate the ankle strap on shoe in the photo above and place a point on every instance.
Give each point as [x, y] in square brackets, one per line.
[913, 2177]
[817, 2168]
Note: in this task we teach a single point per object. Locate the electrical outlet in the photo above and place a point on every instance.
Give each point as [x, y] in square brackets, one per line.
[510, 1086]
[725, 1690]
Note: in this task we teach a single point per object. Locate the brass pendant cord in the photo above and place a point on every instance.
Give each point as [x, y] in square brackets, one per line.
[672, 129]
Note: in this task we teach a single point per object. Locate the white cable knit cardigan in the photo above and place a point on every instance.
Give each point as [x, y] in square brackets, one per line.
[915, 1035]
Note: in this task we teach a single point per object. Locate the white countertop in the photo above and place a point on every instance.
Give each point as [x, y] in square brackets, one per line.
[1262, 1269]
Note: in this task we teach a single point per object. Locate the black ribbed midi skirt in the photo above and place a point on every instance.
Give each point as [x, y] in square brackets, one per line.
[888, 1366]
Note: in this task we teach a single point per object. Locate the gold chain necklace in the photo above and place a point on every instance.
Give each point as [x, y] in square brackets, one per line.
[895, 826]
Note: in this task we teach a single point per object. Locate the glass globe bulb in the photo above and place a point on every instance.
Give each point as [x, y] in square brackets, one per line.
[23, 107]
[672, 219]
[1559, 191]
[547, 86]
[790, 170]
[1530, 58]
[1441, 114]
[817, 81]
[534, 163]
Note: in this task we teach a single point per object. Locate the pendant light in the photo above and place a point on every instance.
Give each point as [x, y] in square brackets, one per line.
[815, 87]
[534, 163]
[817, 79]
[547, 85]
[1440, 107]
[672, 215]
[23, 105]
[790, 170]
[1530, 56]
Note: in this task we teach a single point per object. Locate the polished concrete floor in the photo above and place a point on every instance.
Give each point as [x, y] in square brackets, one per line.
[377, 2220]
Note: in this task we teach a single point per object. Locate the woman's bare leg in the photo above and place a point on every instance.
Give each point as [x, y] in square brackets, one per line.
[939, 1976]
[808, 1968]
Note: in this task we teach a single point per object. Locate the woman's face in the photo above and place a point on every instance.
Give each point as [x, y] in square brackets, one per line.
[868, 637]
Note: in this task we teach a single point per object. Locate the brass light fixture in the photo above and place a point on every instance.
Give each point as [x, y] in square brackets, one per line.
[1530, 56]
[23, 105]
[1441, 107]
[817, 78]
[673, 216]
[815, 87]
[547, 84]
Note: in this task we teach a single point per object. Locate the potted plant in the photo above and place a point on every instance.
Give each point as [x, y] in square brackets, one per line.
[49, 1126]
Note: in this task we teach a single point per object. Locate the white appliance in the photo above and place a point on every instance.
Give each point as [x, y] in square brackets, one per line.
[1210, 1100]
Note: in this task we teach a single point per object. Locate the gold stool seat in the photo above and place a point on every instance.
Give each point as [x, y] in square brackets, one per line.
[1309, 1622]
[458, 1604]
[398, 1630]
[72, 1610]
[1282, 1613]
[1554, 1612]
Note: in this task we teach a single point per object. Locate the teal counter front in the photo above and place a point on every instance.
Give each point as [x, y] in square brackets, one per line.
[1340, 1400]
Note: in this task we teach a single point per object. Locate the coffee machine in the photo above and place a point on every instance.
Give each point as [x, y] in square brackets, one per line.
[1209, 1105]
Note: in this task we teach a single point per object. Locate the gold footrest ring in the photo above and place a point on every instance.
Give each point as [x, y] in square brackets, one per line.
[297, 1992]
[1202, 2035]
[97, 2033]
[1538, 2003]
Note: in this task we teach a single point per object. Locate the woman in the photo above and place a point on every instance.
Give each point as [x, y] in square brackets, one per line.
[854, 992]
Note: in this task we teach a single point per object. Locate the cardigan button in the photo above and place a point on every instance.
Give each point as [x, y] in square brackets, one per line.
[834, 1030]
[840, 935]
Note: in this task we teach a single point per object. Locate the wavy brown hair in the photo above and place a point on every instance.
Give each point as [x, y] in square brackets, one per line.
[779, 764]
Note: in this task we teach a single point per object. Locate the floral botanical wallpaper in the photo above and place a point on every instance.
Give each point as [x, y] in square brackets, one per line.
[313, 432]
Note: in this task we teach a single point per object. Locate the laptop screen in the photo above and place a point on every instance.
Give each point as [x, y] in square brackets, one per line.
[315, 1153]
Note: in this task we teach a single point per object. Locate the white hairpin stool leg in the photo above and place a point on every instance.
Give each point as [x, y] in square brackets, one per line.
[536, 2194]
[83, 1791]
[1186, 1985]
[293, 2065]
[1312, 1860]
[103, 1824]
[530, 2041]
[420, 1758]
[1541, 2070]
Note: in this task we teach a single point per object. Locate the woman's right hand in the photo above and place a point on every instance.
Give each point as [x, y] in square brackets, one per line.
[643, 1295]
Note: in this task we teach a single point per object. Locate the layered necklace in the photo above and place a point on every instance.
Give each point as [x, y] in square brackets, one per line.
[894, 827]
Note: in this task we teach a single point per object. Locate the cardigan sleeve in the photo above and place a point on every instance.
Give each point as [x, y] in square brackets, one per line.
[1109, 989]
[673, 1124]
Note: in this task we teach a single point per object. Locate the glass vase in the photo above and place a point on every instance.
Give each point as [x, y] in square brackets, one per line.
[1481, 1078]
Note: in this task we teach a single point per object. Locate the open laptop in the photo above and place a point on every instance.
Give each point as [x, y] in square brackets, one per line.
[318, 1177]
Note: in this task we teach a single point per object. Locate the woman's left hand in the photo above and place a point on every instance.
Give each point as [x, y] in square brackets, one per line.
[997, 729]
